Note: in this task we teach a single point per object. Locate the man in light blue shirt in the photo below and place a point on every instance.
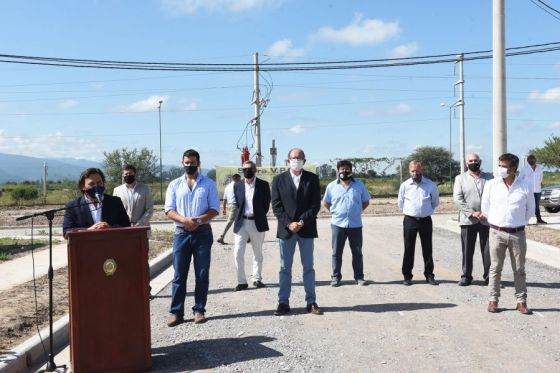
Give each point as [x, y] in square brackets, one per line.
[418, 198]
[346, 198]
[191, 201]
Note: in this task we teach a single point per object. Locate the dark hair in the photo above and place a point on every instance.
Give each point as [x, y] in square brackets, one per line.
[343, 162]
[87, 173]
[129, 167]
[511, 158]
[192, 153]
[250, 163]
[531, 156]
[236, 176]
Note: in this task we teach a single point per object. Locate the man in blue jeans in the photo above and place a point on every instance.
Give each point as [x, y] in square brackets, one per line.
[296, 201]
[191, 201]
[346, 198]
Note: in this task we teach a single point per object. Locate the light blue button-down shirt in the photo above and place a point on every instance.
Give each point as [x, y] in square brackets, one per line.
[192, 203]
[346, 204]
[418, 200]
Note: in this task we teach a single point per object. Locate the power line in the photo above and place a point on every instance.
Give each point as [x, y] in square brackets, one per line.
[270, 67]
[544, 9]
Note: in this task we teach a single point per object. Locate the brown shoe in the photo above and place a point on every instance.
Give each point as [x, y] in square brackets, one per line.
[199, 318]
[314, 309]
[493, 307]
[522, 308]
[174, 320]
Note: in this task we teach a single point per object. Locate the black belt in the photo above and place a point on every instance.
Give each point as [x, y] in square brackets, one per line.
[506, 229]
[248, 217]
[417, 218]
[201, 227]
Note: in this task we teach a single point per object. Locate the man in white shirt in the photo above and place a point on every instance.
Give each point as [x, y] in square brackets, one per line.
[532, 173]
[229, 206]
[508, 204]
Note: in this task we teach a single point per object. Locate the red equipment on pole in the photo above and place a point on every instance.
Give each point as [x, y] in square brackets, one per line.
[244, 155]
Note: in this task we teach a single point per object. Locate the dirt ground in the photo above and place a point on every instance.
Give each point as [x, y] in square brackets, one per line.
[18, 320]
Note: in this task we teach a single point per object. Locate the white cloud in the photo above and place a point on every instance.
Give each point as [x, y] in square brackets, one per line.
[403, 51]
[67, 104]
[211, 6]
[360, 32]
[51, 145]
[283, 48]
[191, 106]
[368, 149]
[149, 104]
[402, 108]
[551, 95]
[555, 125]
[297, 129]
[515, 108]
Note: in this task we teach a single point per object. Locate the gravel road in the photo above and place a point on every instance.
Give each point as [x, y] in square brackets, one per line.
[384, 326]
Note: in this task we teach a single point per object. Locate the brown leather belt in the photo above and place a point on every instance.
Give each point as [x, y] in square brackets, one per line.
[506, 229]
[201, 227]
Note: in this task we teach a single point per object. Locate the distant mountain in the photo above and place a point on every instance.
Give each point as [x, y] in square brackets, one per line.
[21, 168]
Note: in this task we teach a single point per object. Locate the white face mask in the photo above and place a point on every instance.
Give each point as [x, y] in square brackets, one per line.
[503, 172]
[296, 164]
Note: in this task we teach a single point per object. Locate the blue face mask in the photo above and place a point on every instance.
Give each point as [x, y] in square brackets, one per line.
[98, 189]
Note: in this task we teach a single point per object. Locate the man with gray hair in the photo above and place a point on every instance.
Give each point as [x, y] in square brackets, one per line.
[467, 194]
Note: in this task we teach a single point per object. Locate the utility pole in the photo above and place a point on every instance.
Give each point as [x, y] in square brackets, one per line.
[160, 161]
[257, 105]
[273, 152]
[45, 173]
[499, 125]
[461, 104]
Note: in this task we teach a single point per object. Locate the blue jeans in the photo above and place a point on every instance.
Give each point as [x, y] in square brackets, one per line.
[186, 245]
[354, 236]
[287, 250]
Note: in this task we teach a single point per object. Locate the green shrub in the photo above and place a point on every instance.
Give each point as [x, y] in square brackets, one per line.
[25, 194]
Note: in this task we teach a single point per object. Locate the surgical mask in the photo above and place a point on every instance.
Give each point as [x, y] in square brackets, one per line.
[97, 189]
[503, 172]
[248, 173]
[191, 170]
[296, 164]
[129, 179]
[474, 166]
[345, 175]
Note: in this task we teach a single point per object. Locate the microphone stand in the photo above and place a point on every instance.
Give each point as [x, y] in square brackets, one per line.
[51, 366]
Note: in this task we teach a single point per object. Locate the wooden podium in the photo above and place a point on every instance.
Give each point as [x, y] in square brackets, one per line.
[109, 300]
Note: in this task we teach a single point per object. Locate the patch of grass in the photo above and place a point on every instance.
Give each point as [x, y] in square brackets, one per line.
[5, 256]
[42, 232]
[11, 247]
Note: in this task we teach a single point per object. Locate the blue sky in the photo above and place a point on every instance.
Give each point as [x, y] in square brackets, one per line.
[382, 112]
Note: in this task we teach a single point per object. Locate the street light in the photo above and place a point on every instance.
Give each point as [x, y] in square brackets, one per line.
[160, 162]
[450, 107]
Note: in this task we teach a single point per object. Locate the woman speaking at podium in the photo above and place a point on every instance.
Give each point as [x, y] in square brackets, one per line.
[94, 209]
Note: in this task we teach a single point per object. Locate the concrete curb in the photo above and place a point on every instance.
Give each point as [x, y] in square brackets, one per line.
[30, 352]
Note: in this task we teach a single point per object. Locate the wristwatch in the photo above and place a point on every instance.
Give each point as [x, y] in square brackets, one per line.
[198, 221]
[301, 222]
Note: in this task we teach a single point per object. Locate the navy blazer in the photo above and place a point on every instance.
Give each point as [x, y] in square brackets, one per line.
[78, 215]
[291, 205]
[261, 204]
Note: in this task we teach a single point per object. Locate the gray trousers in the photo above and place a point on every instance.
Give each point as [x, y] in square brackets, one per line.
[232, 214]
[516, 244]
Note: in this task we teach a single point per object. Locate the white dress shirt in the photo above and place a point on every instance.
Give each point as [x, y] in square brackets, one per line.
[229, 196]
[249, 193]
[296, 178]
[508, 208]
[418, 200]
[95, 211]
[532, 177]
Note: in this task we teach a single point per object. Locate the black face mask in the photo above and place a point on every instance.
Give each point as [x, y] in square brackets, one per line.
[532, 163]
[345, 175]
[248, 173]
[474, 166]
[95, 190]
[129, 179]
[417, 178]
[191, 170]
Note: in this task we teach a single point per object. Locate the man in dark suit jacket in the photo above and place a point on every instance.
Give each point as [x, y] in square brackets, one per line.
[90, 213]
[296, 201]
[252, 197]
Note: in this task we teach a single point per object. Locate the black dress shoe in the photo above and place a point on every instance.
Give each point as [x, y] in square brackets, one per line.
[259, 284]
[282, 309]
[240, 287]
[431, 280]
[407, 282]
[314, 309]
[465, 282]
